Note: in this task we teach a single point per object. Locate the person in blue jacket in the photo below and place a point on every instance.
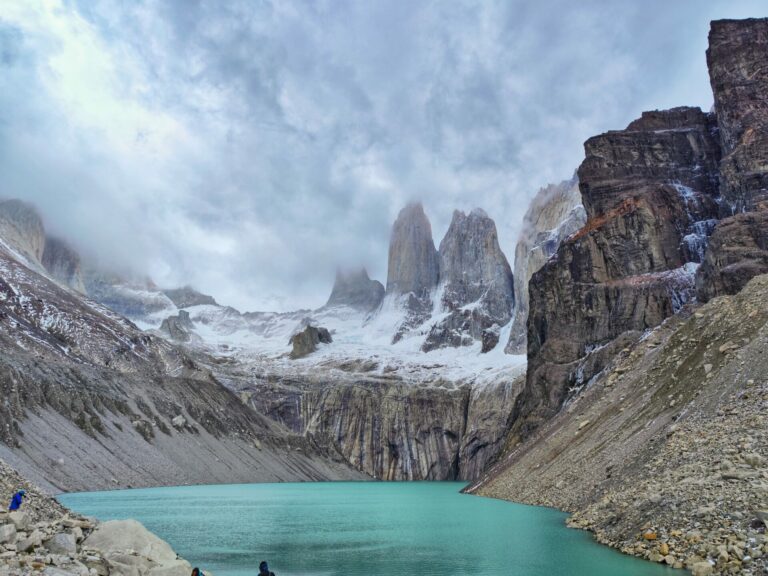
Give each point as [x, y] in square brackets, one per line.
[16, 500]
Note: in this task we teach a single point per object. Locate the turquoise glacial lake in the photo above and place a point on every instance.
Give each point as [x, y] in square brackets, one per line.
[361, 529]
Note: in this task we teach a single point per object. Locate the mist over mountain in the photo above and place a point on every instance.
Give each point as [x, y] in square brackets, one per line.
[248, 150]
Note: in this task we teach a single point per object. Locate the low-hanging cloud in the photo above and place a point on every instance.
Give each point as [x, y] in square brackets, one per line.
[248, 148]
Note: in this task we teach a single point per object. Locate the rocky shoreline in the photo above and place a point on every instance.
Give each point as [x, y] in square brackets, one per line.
[46, 538]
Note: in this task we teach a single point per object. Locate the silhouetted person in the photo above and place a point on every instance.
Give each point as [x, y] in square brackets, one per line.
[17, 500]
[264, 570]
[197, 572]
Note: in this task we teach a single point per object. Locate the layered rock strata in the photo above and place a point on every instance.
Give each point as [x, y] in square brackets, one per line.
[389, 428]
[645, 189]
[737, 53]
[555, 213]
[476, 288]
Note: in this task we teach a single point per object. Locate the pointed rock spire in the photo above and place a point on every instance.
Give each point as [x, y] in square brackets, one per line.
[413, 261]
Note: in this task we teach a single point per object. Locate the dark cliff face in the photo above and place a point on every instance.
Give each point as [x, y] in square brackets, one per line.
[646, 190]
[477, 284]
[390, 429]
[355, 289]
[736, 58]
[738, 51]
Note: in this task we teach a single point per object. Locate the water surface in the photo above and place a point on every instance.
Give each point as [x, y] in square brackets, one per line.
[361, 529]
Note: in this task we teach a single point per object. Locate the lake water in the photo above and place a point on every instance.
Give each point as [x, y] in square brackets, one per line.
[361, 529]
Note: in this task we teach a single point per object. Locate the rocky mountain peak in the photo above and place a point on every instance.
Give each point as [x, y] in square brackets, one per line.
[21, 228]
[413, 260]
[476, 282]
[354, 288]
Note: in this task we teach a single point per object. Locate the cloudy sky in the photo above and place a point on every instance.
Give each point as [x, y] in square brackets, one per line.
[249, 147]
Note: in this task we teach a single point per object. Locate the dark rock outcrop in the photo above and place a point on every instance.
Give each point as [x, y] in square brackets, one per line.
[413, 268]
[186, 297]
[738, 251]
[355, 289]
[63, 263]
[736, 57]
[177, 327]
[644, 189]
[555, 213]
[738, 50]
[307, 341]
[476, 282]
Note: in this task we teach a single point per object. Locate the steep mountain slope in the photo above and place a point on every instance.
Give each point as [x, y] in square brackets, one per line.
[671, 440]
[93, 402]
[555, 213]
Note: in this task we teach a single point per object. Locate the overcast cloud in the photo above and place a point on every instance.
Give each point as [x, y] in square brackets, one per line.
[248, 148]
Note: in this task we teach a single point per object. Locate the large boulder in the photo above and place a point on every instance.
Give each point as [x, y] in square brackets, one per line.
[307, 341]
[21, 519]
[61, 543]
[120, 539]
[7, 534]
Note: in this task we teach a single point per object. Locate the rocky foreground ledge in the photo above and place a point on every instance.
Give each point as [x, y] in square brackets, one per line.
[46, 538]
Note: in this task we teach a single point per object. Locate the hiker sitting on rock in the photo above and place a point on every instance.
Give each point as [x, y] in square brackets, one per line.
[264, 570]
[16, 500]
